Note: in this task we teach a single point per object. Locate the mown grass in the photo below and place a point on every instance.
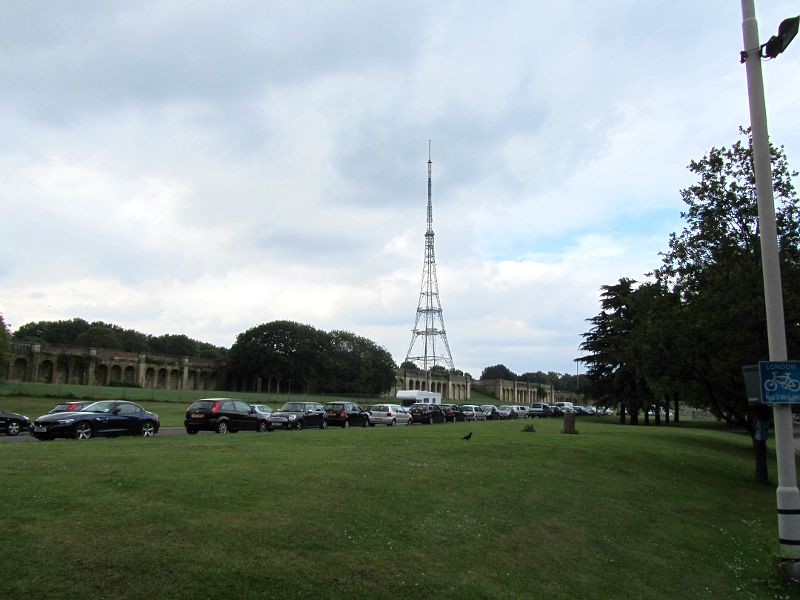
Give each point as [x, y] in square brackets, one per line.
[613, 512]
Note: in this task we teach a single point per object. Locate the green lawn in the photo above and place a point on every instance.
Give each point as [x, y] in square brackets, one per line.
[405, 512]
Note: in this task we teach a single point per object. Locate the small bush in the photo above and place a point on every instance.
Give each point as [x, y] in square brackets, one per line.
[528, 429]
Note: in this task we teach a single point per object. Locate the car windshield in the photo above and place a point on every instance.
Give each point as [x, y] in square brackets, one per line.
[293, 407]
[100, 407]
[334, 407]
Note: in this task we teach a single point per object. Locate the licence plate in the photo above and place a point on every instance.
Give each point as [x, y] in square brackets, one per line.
[198, 416]
[40, 429]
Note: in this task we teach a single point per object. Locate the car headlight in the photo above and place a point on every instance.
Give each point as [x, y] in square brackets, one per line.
[65, 421]
[292, 417]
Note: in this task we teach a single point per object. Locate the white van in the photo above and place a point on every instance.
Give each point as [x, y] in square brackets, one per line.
[565, 406]
[409, 397]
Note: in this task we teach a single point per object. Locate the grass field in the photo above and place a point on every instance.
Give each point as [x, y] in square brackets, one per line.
[405, 512]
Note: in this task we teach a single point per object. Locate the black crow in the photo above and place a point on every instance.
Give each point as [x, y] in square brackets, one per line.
[468, 436]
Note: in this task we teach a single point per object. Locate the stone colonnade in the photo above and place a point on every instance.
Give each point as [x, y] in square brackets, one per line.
[453, 388]
[41, 363]
[515, 392]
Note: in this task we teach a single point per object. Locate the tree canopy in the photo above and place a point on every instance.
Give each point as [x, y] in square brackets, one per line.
[700, 317]
[316, 361]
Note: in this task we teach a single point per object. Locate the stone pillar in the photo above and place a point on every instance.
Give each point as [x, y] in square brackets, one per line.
[184, 382]
[569, 423]
[33, 368]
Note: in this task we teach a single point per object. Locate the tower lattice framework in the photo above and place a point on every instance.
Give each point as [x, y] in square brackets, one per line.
[429, 347]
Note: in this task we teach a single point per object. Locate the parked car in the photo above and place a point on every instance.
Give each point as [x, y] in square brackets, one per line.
[12, 423]
[346, 414]
[473, 412]
[263, 411]
[389, 414]
[427, 413]
[69, 406]
[506, 411]
[298, 415]
[522, 411]
[539, 410]
[450, 411]
[223, 415]
[556, 410]
[106, 418]
[490, 410]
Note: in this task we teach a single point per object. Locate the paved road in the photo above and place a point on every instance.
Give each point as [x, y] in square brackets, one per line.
[164, 431]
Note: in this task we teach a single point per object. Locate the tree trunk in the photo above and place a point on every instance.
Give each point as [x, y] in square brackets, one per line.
[658, 413]
[677, 416]
[634, 411]
[666, 410]
[622, 413]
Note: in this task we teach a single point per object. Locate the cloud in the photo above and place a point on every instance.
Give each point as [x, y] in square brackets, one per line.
[203, 169]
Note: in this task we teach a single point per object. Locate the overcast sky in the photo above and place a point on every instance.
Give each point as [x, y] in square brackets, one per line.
[204, 167]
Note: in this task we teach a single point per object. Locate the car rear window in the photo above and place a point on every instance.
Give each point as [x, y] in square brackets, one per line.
[203, 405]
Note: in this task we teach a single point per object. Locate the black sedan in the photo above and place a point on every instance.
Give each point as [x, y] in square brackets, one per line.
[298, 415]
[107, 417]
[12, 423]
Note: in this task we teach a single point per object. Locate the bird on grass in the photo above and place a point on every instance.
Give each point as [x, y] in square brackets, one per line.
[468, 436]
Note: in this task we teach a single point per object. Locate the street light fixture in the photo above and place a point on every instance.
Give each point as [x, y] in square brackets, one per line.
[788, 496]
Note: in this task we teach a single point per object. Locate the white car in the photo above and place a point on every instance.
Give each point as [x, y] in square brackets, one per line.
[389, 414]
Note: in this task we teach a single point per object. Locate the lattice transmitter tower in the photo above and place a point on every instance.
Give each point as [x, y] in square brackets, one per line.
[428, 336]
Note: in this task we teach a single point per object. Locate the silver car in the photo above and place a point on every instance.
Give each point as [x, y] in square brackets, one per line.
[473, 412]
[389, 414]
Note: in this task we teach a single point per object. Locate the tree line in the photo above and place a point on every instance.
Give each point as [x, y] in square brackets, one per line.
[562, 382]
[685, 332]
[97, 334]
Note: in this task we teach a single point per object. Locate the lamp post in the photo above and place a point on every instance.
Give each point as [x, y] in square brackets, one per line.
[788, 496]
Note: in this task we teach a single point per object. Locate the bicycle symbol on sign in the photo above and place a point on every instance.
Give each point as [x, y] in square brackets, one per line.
[784, 381]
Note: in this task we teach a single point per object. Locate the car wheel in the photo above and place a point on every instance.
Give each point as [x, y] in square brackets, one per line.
[13, 428]
[393, 423]
[298, 425]
[262, 427]
[222, 427]
[83, 431]
[148, 429]
[371, 424]
[191, 431]
[346, 424]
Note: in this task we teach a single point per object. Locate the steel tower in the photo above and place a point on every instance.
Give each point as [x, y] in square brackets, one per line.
[429, 325]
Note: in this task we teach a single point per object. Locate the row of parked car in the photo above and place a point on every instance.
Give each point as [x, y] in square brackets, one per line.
[84, 419]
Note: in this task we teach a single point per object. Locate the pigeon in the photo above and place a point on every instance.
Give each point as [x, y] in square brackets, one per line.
[468, 436]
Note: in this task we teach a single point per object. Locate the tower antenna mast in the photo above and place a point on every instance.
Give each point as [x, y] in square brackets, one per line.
[429, 347]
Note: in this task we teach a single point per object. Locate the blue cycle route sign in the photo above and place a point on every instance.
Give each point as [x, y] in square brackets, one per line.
[780, 382]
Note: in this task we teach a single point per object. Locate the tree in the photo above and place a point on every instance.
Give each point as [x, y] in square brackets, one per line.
[407, 364]
[713, 266]
[356, 365]
[612, 372]
[498, 372]
[99, 336]
[282, 349]
[179, 345]
[53, 332]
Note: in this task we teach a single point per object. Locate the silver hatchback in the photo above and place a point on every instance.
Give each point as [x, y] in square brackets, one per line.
[389, 414]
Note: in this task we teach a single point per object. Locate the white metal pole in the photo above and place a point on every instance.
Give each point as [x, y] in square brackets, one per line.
[788, 496]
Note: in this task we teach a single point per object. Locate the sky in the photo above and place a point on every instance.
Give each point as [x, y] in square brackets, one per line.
[204, 167]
